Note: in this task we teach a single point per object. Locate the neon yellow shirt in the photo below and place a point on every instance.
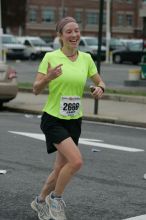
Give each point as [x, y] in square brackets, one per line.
[66, 91]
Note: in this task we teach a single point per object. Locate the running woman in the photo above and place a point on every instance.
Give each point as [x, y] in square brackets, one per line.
[64, 71]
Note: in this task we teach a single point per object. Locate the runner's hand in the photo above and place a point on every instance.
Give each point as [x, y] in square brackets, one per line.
[96, 91]
[53, 73]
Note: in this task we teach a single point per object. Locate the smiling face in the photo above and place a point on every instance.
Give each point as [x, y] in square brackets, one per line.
[70, 35]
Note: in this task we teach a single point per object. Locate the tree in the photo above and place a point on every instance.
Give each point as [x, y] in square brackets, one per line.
[13, 14]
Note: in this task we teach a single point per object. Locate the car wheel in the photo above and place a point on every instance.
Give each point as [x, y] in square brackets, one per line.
[33, 56]
[117, 58]
[135, 63]
[1, 105]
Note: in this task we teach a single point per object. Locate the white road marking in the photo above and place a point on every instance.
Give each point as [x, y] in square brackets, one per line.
[109, 146]
[140, 217]
[85, 141]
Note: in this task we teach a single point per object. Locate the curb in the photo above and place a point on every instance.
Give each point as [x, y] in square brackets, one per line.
[116, 121]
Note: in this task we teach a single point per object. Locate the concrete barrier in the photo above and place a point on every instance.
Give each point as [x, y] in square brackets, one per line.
[134, 74]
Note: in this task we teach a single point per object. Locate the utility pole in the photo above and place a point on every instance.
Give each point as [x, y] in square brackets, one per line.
[1, 32]
[108, 31]
[101, 8]
[62, 9]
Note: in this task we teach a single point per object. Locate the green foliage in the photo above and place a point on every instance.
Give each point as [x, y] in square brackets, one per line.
[116, 91]
[25, 85]
[126, 92]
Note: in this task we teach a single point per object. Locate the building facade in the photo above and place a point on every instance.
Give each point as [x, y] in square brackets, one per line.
[41, 17]
[143, 16]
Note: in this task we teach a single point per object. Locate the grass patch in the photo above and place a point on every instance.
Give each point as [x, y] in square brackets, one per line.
[126, 92]
[116, 91]
[25, 85]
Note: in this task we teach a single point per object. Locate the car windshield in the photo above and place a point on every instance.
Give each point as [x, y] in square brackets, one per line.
[9, 40]
[135, 46]
[38, 42]
[92, 41]
[116, 42]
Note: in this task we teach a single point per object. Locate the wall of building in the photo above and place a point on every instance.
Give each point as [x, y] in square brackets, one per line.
[41, 17]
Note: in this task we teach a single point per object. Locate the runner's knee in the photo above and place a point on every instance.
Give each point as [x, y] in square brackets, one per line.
[76, 165]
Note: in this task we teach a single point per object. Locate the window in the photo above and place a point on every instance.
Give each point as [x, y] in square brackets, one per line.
[129, 1]
[120, 20]
[32, 15]
[91, 41]
[104, 17]
[92, 18]
[47, 15]
[9, 40]
[37, 42]
[135, 46]
[129, 20]
[81, 43]
[78, 16]
[27, 43]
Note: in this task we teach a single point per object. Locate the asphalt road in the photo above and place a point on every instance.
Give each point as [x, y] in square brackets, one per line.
[110, 185]
[114, 75]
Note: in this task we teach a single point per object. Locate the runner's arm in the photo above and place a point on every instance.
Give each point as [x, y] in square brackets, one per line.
[99, 86]
[43, 79]
[97, 80]
[40, 83]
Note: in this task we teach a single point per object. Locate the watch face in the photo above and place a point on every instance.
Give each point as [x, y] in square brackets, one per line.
[92, 88]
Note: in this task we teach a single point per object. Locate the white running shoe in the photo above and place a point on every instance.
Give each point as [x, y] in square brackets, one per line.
[56, 207]
[42, 209]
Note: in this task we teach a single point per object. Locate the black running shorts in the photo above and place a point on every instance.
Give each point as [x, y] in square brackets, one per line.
[56, 130]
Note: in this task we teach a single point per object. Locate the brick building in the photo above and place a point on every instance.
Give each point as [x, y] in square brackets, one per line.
[143, 16]
[41, 17]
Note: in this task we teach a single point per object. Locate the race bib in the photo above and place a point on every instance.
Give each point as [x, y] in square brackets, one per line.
[70, 105]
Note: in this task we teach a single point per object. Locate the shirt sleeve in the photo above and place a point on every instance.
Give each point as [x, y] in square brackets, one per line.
[43, 67]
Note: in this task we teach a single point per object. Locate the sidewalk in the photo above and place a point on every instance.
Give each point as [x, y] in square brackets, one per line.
[126, 110]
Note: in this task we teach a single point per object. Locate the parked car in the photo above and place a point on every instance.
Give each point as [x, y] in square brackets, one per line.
[114, 43]
[87, 44]
[131, 52]
[90, 45]
[14, 49]
[35, 46]
[8, 83]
